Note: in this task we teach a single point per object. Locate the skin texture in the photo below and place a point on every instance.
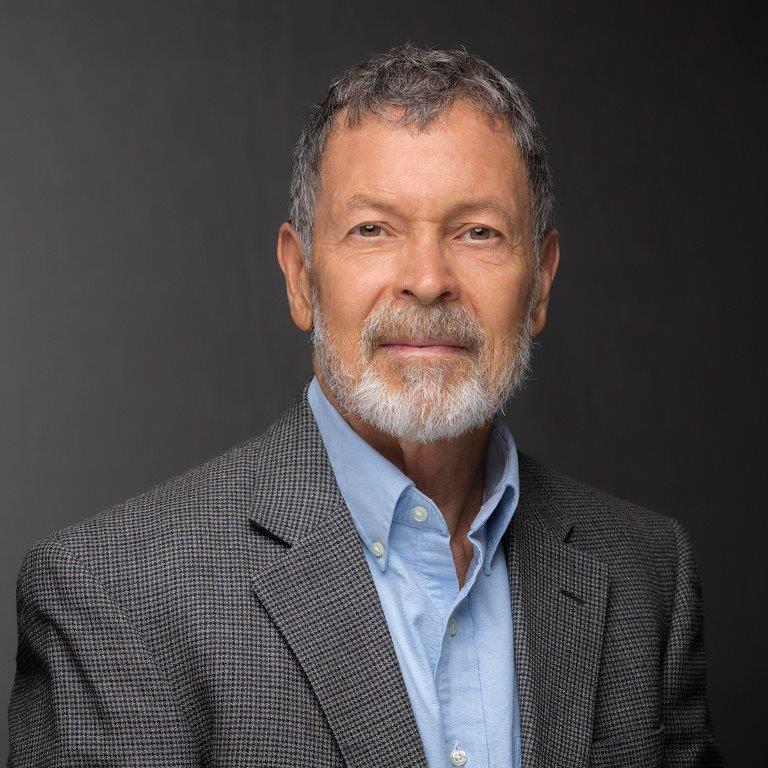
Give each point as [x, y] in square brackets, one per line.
[394, 222]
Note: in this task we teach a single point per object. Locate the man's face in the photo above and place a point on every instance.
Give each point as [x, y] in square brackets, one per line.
[423, 272]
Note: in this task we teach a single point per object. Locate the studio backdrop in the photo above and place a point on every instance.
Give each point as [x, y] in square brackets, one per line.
[145, 154]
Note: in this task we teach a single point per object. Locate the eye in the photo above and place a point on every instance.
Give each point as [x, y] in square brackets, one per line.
[479, 233]
[369, 230]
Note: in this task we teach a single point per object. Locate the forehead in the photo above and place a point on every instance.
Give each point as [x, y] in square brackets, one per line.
[462, 155]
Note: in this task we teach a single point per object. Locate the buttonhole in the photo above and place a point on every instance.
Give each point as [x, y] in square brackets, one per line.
[578, 599]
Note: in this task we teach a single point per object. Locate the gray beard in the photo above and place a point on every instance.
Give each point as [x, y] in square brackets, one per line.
[428, 401]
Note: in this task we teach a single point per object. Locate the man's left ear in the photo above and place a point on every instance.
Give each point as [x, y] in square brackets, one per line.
[549, 259]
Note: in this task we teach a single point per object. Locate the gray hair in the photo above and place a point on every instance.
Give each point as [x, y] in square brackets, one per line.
[424, 82]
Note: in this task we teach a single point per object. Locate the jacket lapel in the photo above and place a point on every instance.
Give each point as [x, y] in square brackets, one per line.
[321, 595]
[559, 597]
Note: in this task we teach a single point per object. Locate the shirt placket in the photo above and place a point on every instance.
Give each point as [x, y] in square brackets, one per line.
[457, 673]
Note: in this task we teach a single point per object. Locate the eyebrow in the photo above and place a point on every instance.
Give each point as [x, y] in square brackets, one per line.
[487, 203]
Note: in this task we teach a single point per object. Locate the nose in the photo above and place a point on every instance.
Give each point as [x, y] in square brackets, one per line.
[425, 273]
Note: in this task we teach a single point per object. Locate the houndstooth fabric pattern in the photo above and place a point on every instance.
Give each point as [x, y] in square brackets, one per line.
[227, 617]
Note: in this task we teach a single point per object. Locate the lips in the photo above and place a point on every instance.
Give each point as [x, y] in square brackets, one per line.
[420, 347]
[421, 343]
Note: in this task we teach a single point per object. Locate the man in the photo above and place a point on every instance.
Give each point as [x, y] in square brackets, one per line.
[381, 578]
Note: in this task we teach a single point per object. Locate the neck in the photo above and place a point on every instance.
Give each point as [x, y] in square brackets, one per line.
[451, 472]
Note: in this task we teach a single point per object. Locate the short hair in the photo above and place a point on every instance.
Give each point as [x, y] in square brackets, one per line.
[423, 82]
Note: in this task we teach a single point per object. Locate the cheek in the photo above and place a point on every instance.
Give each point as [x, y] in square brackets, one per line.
[347, 298]
[500, 304]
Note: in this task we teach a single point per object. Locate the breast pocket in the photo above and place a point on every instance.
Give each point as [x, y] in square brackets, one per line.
[640, 749]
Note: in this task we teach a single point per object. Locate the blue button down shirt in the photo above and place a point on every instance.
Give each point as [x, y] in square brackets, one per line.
[454, 647]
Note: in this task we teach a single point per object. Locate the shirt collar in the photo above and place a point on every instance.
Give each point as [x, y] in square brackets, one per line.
[372, 486]
[502, 488]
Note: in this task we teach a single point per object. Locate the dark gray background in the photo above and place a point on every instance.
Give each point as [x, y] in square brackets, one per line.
[144, 166]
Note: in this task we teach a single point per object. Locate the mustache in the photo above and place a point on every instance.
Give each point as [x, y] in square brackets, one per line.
[448, 321]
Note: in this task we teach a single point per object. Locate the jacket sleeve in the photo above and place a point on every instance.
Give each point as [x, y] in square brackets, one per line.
[689, 737]
[87, 691]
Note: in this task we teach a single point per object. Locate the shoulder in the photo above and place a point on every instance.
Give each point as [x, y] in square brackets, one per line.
[167, 525]
[610, 527]
[646, 553]
[193, 518]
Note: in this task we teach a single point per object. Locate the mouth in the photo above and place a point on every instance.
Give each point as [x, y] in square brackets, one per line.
[420, 347]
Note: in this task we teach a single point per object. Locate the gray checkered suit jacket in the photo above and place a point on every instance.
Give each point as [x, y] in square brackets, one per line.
[228, 617]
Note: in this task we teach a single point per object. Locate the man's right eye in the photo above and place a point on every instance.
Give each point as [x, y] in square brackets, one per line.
[369, 230]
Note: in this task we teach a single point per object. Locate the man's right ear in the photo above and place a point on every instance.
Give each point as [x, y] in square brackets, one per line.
[290, 256]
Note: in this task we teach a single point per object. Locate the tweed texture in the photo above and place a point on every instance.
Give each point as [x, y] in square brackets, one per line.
[227, 617]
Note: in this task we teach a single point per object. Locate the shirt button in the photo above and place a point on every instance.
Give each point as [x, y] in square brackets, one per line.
[378, 548]
[452, 628]
[419, 514]
[458, 756]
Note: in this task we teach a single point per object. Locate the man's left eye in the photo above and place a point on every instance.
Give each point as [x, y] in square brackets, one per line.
[369, 230]
[479, 233]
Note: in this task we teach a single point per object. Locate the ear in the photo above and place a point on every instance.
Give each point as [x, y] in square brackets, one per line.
[290, 256]
[550, 258]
